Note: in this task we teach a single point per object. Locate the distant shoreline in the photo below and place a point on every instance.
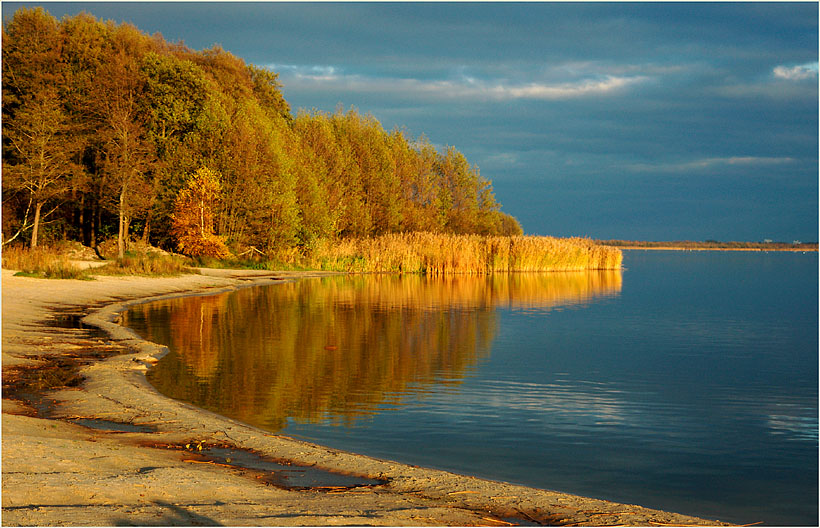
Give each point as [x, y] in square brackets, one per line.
[708, 245]
[683, 248]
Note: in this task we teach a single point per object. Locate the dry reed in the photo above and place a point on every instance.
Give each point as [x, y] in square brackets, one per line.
[150, 265]
[439, 254]
[42, 262]
[53, 263]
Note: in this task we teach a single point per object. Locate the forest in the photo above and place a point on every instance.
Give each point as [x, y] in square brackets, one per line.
[110, 133]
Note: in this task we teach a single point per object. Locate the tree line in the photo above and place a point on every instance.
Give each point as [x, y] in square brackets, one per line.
[105, 127]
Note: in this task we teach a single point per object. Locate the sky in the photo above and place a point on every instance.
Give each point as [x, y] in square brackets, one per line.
[638, 121]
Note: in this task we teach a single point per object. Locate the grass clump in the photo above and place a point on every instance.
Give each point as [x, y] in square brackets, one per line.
[42, 263]
[52, 263]
[269, 263]
[147, 265]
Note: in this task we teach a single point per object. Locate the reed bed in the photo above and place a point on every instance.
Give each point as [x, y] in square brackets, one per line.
[441, 254]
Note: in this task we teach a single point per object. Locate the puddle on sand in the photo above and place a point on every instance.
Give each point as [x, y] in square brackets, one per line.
[31, 384]
[67, 319]
[277, 473]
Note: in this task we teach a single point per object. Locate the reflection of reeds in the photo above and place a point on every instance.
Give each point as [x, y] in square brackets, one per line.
[340, 346]
[443, 292]
[437, 254]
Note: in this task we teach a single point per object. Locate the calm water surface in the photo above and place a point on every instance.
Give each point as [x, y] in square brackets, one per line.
[687, 382]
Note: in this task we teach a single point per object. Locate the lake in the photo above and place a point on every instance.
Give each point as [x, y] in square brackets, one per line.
[686, 382]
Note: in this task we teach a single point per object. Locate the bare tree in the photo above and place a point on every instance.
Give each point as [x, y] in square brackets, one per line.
[39, 139]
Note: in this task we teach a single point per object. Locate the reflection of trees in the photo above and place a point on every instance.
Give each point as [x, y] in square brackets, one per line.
[339, 346]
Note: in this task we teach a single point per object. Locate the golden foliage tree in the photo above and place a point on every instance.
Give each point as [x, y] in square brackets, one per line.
[193, 218]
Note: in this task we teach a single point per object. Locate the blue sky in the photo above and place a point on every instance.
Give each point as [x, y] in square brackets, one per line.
[656, 121]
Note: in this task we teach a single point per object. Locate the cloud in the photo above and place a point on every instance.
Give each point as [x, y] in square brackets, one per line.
[782, 82]
[501, 159]
[708, 163]
[607, 85]
[463, 85]
[316, 72]
[796, 73]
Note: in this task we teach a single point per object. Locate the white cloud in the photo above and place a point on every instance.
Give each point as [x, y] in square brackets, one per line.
[796, 73]
[316, 73]
[607, 85]
[503, 159]
[782, 82]
[708, 163]
[464, 86]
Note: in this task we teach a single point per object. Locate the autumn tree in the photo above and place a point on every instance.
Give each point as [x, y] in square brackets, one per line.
[415, 167]
[174, 103]
[317, 219]
[379, 184]
[128, 154]
[86, 44]
[317, 141]
[193, 217]
[41, 146]
[267, 89]
[36, 138]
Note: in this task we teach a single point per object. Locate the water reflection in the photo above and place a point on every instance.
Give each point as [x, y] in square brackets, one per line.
[340, 348]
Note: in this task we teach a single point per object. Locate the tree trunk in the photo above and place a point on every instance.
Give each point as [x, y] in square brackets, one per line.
[146, 231]
[85, 225]
[202, 218]
[122, 225]
[126, 228]
[96, 222]
[35, 229]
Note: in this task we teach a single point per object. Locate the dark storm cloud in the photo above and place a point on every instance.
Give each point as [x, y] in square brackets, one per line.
[612, 120]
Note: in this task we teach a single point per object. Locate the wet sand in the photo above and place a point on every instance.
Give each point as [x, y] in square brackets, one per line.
[105, 448]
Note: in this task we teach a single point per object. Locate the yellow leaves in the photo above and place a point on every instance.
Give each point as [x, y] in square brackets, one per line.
[193, 218]
[196, 446]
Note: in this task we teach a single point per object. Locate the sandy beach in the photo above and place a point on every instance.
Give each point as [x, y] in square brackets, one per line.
[59, 469]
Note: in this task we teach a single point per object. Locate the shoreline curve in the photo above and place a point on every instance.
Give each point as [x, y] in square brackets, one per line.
[56, 471]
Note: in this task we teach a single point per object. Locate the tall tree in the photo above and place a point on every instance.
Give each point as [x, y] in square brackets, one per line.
[36, 143]
[86, 43]
[267, 89]
[128, 154]
[38, 137]
[261, 205]
[176, 92]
